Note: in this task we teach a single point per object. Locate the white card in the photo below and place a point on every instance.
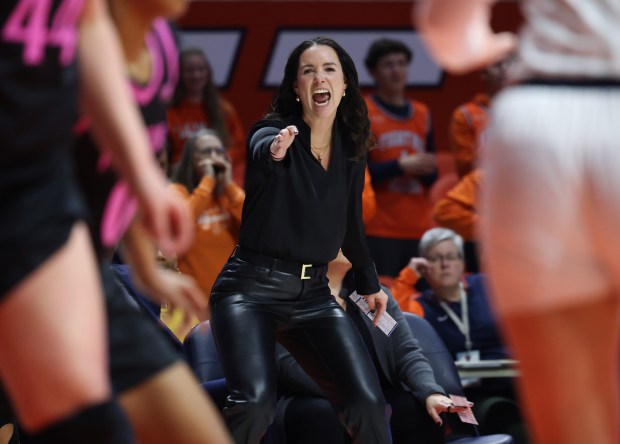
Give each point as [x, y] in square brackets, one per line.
[468, 356]
[466, 416]
[387, 324]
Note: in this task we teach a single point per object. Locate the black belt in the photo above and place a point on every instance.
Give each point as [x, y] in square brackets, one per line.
[303, 271]
[579, 83]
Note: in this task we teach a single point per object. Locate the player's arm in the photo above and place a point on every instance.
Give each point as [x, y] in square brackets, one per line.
[160, 285]
[118, 127]
[458, 33]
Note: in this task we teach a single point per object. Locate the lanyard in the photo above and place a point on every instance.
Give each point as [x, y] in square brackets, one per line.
[462, 324]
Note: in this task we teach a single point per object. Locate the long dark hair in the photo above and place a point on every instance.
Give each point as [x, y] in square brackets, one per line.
[352, 111]
[185, 173]
[211, 101]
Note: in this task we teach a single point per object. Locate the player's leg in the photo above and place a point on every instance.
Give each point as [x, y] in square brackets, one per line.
[570, 373]
[53, 355]
[172, 407]
[552, 295]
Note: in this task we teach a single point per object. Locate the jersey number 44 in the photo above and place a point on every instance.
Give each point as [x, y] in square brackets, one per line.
[35, 25]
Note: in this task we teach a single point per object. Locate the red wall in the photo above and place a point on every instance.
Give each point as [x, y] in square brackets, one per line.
[261, 21]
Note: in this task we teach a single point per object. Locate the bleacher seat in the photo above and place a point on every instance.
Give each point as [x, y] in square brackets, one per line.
[447, 376]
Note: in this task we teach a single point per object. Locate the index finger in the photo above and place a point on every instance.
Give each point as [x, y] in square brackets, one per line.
[422, 264]
[435, 416]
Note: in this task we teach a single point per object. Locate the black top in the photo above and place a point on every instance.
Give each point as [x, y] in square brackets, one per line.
[295, 210]
[38, 83]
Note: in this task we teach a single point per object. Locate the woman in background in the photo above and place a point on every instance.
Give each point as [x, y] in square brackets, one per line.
[204, 179]
[197, 105]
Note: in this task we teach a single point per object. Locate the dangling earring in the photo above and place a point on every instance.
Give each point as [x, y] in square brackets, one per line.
[297, 98]
[344, 93]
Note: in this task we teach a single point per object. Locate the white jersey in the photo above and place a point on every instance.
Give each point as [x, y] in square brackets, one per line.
[569, 39]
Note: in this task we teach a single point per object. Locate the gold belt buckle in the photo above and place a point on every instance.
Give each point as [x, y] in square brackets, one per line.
[303, 270]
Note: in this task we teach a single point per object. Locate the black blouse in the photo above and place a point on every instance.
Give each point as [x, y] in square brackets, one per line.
[295, 210]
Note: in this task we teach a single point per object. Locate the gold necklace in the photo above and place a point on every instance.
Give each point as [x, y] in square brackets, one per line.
[318, 152]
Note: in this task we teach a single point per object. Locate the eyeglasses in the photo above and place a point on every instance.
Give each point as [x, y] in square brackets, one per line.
[447, 258]
[209, 151]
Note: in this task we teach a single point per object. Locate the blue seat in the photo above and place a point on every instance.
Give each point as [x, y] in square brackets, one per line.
[122, 273]
[201, 353]
[447, 376]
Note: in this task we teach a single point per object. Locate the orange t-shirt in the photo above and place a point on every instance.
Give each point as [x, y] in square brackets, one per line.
[467, 124]
[404, 292]
[188, 117]
[458, 210]
[403, 206]
[369, 202]
[217, 228]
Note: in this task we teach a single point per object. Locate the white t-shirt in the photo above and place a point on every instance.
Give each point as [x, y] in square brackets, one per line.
[574, 39]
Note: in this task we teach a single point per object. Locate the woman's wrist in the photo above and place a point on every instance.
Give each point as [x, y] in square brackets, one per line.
[277, 157]
[277, 153]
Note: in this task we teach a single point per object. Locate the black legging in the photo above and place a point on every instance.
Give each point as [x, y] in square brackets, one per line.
[410, 422]
[311, 420]
[251, 307]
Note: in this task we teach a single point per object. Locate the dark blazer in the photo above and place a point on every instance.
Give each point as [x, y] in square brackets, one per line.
[399, 356]
[485, 333]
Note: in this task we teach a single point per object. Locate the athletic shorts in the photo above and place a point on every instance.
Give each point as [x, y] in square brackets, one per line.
[39, 204]
[550, 203]
[139, 348]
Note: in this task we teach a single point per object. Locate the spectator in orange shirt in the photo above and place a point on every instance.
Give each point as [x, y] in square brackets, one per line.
[466, 125]
[458, 211]
[369, 201]
[197, 105]
[204, 178]
[402, 165]
[470, 119]
[404, 289]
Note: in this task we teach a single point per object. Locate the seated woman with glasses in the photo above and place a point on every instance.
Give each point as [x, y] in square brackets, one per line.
[456, 305]
[458, 308]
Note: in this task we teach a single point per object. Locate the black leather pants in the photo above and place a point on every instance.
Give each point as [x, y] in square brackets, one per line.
[252, 307]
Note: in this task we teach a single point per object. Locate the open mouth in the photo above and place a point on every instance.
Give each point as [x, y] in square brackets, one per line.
[321, 97]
